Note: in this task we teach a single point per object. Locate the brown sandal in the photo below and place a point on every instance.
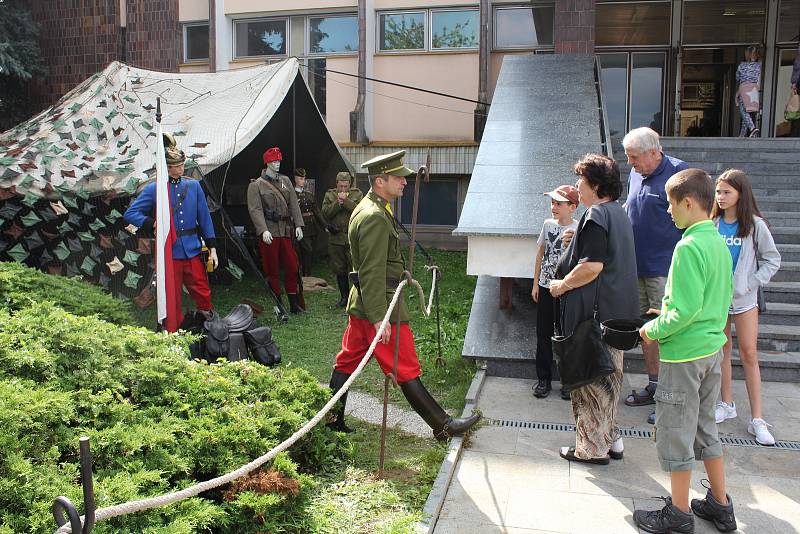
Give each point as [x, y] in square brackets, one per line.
[568, 453]
[637, 399]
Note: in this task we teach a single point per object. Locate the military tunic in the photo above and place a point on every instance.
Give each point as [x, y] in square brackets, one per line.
[375, 249]
[339, 218]
[264, 205]
[313, 221]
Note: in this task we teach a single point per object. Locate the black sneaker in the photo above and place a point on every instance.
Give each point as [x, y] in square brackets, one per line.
[565, 394]
[542, 388]
[710, 510]
[668, 519]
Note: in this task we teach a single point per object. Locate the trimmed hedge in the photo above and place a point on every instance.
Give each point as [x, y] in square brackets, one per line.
[21, 286]
[156, 420]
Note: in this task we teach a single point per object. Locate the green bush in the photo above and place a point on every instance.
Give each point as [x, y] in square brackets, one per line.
[21, 286]
[156, 420]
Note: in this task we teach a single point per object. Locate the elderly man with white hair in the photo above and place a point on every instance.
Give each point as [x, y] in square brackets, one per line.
[654, 236]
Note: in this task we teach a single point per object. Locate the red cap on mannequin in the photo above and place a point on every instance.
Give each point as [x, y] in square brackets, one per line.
[272, 154]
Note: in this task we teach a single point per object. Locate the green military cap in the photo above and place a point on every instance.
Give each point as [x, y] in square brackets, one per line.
[344, 176]
[388, 164]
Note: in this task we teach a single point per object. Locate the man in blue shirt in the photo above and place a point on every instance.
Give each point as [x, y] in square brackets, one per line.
[191, 220]
[654, 234]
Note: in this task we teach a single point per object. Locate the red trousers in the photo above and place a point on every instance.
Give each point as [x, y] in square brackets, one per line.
[355, 343]
[192, 274]
[279, 254]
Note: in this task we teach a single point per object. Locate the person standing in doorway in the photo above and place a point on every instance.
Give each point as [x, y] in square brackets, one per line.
[748, 81]
[654, 234]
[795, 88]
[337, 206]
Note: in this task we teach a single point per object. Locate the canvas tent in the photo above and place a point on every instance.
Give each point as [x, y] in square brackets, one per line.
[67, 174]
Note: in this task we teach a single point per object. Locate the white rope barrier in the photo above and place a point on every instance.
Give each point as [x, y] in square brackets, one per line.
[192, 491]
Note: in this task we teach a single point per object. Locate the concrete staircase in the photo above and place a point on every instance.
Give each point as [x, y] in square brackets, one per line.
[773, 166]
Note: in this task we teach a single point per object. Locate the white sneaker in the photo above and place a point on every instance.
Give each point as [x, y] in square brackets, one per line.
[760, 429]
[724, 411]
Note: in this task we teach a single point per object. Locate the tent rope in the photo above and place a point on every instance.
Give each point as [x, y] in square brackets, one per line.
[192, 491]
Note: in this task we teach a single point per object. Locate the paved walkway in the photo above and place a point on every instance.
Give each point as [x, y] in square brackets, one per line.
[511, 479]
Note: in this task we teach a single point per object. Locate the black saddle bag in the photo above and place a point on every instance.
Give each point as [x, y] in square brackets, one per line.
[217, 338]
[261, 346]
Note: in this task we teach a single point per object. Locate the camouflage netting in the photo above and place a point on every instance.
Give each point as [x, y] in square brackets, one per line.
[68, 174]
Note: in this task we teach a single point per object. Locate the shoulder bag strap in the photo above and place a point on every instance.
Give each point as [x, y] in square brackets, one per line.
[280, 195]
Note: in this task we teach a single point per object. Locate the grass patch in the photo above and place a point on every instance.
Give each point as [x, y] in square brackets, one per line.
[312, 340]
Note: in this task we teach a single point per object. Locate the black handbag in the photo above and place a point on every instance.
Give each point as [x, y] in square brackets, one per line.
[760, 300]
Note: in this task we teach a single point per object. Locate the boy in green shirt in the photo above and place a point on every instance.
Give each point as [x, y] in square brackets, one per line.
[690, 333]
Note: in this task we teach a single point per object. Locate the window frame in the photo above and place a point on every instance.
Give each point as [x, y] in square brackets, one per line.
[378, 27]
[429, 28]
[510, 6]
[307, 32]
[287, 32]
[184, 27]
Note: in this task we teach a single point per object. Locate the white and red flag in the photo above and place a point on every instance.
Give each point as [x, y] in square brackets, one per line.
[166, 292]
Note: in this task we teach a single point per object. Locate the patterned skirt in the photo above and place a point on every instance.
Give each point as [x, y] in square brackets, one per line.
[595, 409]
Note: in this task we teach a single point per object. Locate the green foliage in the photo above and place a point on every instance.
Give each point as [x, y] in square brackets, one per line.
[21, 286]
[20, 60]
[156, 420]
[403, 33]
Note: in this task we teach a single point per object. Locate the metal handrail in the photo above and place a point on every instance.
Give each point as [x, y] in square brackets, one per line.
[604, 129]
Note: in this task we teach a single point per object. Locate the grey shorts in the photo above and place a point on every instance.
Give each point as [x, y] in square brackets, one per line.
[685, 400]
[651, 293]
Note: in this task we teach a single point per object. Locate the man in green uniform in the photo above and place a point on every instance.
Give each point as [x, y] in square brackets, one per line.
[313, 223]
[378, 266]
[337, 207]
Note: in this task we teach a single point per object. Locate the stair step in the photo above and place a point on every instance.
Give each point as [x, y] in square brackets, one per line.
[733, 158]
[788, 292]
[737, 143]
[789, 272]
[779, 218]
[780, 204]
[775, 366]
[781, 313]
[786, 234]
[789, 252]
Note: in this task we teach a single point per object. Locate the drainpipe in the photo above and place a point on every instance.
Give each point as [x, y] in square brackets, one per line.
[479, 117]
[358, 132]
[123, 29]
[212, 36]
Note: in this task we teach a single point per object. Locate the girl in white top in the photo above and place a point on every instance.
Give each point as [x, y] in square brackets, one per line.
[755, 262]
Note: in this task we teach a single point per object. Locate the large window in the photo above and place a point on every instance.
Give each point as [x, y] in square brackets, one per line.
[429, 29]
[523, 27]
[263, 37]
[402, 31]
[631, 24]
[333, 34]
[455, 29]
[789, 21]
[729, 22]
[195, 42]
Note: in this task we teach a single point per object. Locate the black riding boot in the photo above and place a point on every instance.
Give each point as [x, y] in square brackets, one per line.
[426, 406]
[294, 304]
[337, 413]
[344, 290]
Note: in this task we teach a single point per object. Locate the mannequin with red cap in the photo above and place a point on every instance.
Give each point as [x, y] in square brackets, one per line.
[275, 212]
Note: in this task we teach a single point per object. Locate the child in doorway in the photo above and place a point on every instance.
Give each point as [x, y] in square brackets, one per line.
[563, 203]
[755, 262]
[691, 332]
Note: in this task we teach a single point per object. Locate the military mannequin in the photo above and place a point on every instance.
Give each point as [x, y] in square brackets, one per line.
[378, 266]
[275, 212]
[313, 223]
[191, 219]
[337, 207]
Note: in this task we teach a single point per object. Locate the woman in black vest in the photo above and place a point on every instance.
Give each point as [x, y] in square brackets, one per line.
[599, 266]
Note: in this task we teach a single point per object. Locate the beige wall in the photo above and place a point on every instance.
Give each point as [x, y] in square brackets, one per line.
[233, 7]
[191, 10]
[341, 93]
[409, 119]
[411, 4]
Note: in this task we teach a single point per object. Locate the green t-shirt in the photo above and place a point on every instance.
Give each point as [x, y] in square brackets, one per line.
[697, 297]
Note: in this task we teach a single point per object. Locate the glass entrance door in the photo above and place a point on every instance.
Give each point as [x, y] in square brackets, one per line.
[633, 87]
[707, 87]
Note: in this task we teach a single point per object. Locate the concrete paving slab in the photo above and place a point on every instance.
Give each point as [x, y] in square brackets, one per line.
[512, 477]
